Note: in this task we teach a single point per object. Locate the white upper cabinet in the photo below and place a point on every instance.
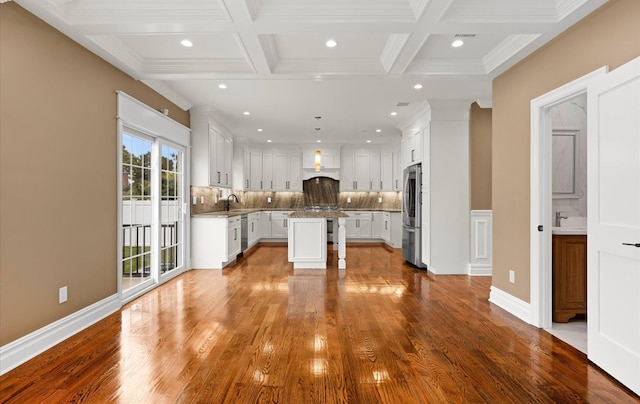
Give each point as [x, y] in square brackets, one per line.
[287, 171]
[360, 169]
[211, 151]
[267, 171]
[387, 171]
[255, 170]
[412, 148]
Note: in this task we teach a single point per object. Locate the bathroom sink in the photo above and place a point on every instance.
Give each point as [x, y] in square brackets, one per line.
[571, 225]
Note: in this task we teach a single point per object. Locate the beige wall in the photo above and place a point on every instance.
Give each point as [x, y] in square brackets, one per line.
[609, 36]
[480, 157]
[57, 172]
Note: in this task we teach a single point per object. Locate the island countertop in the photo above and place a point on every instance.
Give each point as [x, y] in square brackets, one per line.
[314, 214]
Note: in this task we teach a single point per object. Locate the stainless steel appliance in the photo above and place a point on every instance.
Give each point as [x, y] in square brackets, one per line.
[411, 215]
[244, 232]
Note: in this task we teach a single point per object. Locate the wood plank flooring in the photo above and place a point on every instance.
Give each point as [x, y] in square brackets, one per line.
[378, 332]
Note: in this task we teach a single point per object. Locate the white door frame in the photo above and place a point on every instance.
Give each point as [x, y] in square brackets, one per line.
[541, 194]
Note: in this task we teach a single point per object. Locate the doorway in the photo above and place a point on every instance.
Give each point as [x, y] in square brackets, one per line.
[541, 221]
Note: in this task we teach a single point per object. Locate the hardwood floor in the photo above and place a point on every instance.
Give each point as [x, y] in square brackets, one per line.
[379, 332]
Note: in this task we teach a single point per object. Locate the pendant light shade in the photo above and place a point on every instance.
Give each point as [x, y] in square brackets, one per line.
[318, 160]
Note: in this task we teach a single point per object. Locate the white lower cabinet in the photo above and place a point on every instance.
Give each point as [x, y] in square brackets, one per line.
[376, 224]
[215, 241]
[233, 238]
[358, 224]
[253, 228]
[265, 224]
[386, 227]
[280, 224]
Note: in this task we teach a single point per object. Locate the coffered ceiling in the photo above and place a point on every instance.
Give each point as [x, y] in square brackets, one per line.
[272, 57]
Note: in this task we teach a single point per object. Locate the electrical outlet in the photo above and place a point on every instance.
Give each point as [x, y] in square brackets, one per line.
[62, 294]
[348, 200]
[379, 200]
[512, 276]
[195, 200]
[202, 200]
[268, 199]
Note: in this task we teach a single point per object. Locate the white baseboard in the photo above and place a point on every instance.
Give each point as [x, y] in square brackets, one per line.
[510, 303]
[480, 270]
[21, 350]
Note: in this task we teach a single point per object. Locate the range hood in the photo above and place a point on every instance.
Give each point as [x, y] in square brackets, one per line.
[309, 173]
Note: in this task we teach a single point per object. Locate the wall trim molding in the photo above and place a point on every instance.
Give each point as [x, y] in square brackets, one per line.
[511, 304]
[480, 270]
[21, 350]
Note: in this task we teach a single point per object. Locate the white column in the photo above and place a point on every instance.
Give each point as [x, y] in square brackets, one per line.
[342, 244]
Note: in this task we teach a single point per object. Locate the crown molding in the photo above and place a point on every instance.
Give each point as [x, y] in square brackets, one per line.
[118, 51]
[506, 50]
[185, 67]
[169, 93]
[270, 49]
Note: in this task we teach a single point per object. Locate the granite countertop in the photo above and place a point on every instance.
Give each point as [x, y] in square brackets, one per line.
[307, 214]
[238, 212]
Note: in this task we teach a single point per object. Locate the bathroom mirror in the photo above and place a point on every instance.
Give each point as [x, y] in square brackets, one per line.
[564, 163]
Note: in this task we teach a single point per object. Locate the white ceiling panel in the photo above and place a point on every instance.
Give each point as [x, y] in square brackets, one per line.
[271, 55]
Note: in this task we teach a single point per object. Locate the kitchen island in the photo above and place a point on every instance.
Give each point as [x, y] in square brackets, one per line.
[308, 239]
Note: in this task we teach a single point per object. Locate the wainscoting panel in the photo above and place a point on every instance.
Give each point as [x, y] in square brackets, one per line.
[481, 243]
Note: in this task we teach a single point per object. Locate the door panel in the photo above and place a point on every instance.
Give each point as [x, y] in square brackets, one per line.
[613, 268]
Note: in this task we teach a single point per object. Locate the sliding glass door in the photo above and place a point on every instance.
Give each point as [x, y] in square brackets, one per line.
[172, 206]
[138, 189]
[153, 211]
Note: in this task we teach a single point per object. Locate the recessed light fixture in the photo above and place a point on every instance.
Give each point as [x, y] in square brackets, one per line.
[394, 113]
[318, 141]
[186, 43]
[457, 43]
[418, 86]
[222, 86]
[331, 43]
[269, 141]
[368, 140]
[246, 113]
[378, 130]
[260, 130]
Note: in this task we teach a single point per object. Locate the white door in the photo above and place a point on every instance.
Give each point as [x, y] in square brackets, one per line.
[613, 255]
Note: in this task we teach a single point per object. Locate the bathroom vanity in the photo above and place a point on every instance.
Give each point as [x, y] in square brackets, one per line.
[569, 276]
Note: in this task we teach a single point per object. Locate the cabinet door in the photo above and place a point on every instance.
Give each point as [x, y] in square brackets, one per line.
[228, 160]
[386, 171]
[361, 168]
[246, 169]
[351, 227]
[267, 171]
[220, 157]
[376, 224]
[347, 175]
[255, 169]
[265, 224]
[215, 175]
[375, 178]
[397, 172]
[280, 172]
[364, 227]
[233, 239]
[386, 227]
[295, 172]
[279, 225]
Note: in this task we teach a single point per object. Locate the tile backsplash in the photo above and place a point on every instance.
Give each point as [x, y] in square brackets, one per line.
[211, 199]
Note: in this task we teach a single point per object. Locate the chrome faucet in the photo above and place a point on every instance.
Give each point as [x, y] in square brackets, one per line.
[559, 216]
[228, 205]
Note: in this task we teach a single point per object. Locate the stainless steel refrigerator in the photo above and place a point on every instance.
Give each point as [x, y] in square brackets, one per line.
[411, 215]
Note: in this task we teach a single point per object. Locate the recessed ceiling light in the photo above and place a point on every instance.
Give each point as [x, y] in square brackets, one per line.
[269, 141]
[331, 43]
[378, 130]
[394, 113]
[186, 43]
[260, 130]
[457, 43]
[418, 86]
[222, 86]
[318, 141]
[368, 141]
[247, 113]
